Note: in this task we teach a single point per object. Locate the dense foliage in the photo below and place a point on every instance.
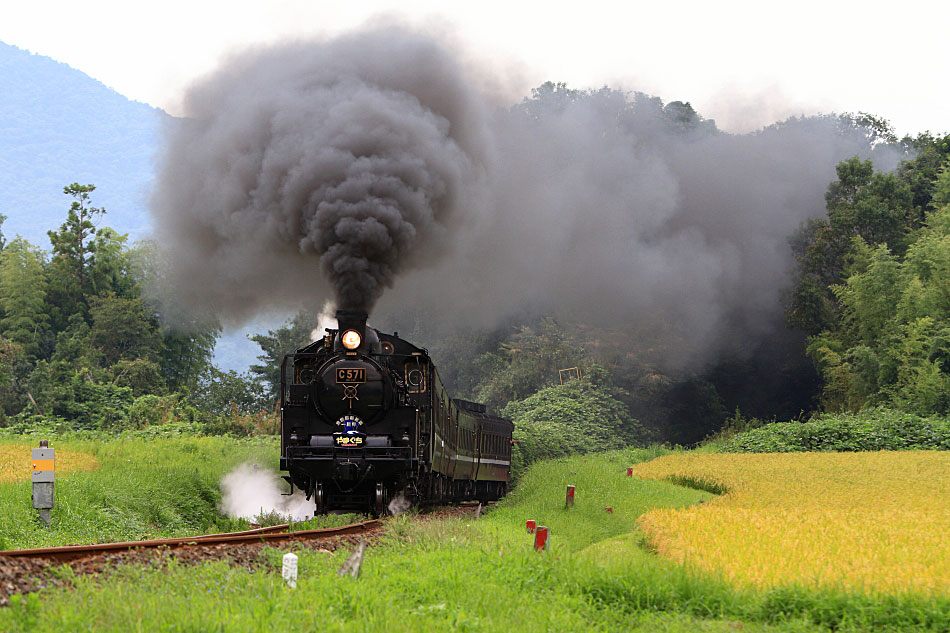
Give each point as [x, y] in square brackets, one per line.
[578, 416]
[82, 346]
[870, 430]
[872, 290]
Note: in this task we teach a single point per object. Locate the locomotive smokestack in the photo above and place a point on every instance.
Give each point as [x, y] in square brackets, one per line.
[353, 335]
[352, 320]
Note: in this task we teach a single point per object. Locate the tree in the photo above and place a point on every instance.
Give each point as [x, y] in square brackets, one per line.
[23, 295]
[931, 157]
[72, 250]
[220, 393]
[694, 409]
[122, 329]
[186, 355]
[876, 129]
[876, 207]
[188, 340]
[3, 242]
[941, 189]
[294, 334]
[11, 358]
[109, 266]
[888, 342]
[637, 113]
[528, 361]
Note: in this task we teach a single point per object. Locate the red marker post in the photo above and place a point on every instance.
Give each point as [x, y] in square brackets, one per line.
[629, 471]
[541, 538]
[569, 501]
[531, 525]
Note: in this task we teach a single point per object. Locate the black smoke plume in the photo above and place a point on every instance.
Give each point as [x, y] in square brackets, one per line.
[345, 167]
[351, 158]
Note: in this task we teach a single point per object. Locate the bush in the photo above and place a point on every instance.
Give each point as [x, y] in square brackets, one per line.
[152, 416]
[579, 416]
[97, 405]
[150, 410]
[868, 430]
[243, 425]
[31, 423]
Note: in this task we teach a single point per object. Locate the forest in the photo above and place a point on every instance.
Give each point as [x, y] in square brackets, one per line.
[84, 344]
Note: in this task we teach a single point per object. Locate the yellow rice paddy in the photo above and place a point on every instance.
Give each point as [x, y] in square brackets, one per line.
[877, 522]
[16, 462]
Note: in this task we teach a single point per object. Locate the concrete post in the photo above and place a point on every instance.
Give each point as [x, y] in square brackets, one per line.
[289, 570]
[541, 538]
[44, 480]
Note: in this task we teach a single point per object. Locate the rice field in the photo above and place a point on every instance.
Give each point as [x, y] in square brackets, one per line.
[870, 522]
[16, 462]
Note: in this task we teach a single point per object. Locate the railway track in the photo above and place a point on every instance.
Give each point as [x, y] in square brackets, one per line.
[267, 535]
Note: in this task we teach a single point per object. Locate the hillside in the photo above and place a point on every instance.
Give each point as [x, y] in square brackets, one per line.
[57, 126]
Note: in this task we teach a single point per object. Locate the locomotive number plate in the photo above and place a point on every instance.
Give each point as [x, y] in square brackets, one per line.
[350, 374]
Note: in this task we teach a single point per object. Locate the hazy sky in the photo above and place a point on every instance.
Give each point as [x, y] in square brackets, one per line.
[744, 63]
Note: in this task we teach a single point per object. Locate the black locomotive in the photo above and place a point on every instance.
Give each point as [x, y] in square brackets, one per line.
[365, 419]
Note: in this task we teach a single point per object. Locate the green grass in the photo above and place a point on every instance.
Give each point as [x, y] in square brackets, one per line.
[142, 489]
[464, 575]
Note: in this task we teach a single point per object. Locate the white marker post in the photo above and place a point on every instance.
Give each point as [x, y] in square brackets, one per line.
[289, 571]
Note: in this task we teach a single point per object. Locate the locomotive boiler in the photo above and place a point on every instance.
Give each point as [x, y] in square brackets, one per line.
[365, 419]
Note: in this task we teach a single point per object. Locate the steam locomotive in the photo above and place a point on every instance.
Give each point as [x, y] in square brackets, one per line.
[366, 420]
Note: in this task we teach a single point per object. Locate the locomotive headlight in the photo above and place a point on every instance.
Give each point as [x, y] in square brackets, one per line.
[351, 339]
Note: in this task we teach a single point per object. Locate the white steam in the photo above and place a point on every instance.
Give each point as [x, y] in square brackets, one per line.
[326, 319]
[249, 491]
[399, 504]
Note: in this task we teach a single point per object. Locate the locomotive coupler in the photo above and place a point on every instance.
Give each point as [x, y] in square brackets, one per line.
[347, 471]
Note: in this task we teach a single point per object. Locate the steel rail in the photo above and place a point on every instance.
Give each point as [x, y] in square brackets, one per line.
[259, 535]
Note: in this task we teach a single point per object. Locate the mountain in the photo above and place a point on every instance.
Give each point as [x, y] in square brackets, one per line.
[58, 125]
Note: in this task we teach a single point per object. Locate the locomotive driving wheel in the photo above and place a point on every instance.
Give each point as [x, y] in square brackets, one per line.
[319, 500]
[380, 505]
